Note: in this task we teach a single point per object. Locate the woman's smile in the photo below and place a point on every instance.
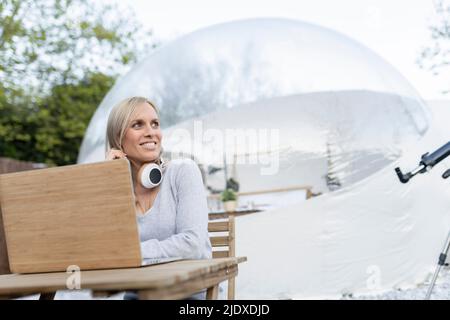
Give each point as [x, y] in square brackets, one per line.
[149, 145]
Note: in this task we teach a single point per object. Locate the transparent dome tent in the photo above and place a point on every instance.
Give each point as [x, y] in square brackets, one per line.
[327, 95]
[322, 111]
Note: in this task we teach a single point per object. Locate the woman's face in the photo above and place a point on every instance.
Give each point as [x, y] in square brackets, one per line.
[142, 140]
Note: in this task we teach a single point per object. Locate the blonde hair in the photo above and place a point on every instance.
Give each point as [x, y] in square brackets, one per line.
[119, 119]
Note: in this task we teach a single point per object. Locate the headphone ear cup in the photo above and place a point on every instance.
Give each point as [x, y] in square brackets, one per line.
[150, 175]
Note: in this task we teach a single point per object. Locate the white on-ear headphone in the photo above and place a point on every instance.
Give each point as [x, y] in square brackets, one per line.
[151, 174]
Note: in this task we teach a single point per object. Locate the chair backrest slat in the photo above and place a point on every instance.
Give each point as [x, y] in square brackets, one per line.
[220, 241]
[222, 236]
[218, 226]
[221, 254]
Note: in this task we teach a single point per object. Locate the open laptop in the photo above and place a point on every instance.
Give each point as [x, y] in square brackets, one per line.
[151, 261]
[82, 215]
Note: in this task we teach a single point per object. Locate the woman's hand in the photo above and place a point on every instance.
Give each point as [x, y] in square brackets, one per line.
[114, 154]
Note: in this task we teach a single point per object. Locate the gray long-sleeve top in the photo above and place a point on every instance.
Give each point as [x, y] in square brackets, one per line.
[177, 223]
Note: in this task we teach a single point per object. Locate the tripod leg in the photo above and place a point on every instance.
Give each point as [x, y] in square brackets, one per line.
[433, 281]
[441, 262]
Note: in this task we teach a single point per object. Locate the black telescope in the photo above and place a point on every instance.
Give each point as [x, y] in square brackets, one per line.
[427, 162]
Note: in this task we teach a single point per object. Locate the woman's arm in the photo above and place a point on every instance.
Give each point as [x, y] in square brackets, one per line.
[191, 236]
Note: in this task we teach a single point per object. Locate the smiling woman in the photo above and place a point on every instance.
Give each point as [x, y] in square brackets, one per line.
[134, 132]
[172, 217]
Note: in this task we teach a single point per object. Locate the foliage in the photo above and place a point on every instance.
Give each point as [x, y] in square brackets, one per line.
[58, 59]
[49, 42]
[228, 195]
[52, 131]
[436, 56]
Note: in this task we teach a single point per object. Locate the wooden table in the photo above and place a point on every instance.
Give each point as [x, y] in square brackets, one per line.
[174, 280]
[214, 215]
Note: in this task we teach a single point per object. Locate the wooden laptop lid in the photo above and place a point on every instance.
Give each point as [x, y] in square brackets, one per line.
[80, 215]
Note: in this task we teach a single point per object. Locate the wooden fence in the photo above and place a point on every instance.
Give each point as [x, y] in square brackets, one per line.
[11, 165]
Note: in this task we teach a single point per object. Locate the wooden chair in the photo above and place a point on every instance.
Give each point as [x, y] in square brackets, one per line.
[224, 244]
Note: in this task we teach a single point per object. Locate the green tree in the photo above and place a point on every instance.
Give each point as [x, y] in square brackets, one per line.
[58, 58]
[52, 132]
[49, 42]
[63, 116]
[14, 140]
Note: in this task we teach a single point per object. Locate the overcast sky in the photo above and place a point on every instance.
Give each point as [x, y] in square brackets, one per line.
[394, 29]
